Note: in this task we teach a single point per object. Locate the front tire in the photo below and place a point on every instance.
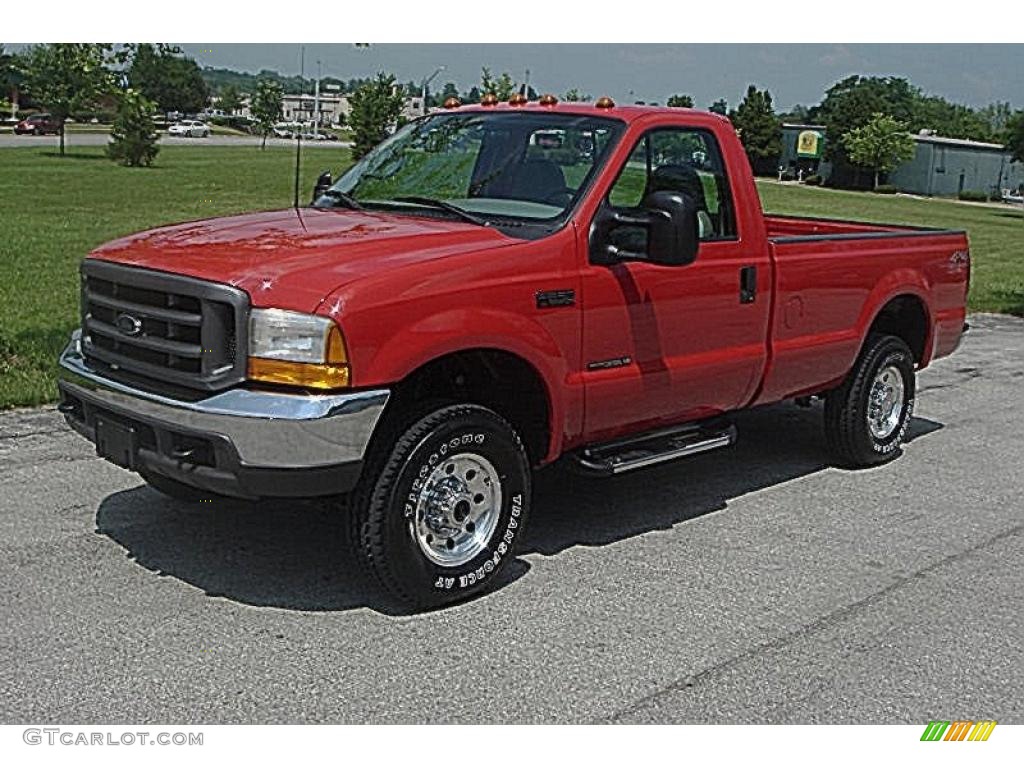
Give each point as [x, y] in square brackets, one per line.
[440, 511]
[867, 416]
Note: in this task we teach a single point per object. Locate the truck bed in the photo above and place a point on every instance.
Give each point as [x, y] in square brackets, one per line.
[830, 276]
[790, 227]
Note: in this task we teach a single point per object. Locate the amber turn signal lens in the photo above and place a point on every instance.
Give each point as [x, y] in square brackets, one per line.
[309, 375]
[452, 103]
[604, 102]
[489, 100]
[548, 100]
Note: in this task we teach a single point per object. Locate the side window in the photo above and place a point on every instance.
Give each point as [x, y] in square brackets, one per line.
[684, 160]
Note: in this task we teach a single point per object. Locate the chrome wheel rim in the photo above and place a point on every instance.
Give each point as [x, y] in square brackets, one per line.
[885, 402]
[457, 509]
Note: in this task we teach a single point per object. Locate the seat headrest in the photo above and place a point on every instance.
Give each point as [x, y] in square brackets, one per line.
[677, 178]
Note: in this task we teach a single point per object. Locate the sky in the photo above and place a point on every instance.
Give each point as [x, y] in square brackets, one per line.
[972, 74]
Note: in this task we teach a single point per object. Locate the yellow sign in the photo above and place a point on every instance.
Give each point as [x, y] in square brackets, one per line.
[808, 144]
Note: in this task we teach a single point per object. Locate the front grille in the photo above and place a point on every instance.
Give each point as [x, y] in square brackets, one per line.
[161, 330]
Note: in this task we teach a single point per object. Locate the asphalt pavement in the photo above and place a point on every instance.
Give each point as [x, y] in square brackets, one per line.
[755, 584]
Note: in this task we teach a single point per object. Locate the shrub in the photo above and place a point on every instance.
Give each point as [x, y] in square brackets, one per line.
[814, 180]
[886, 189]
[104, 116]
[133, 136]
[233, 121]
[973, 196]
[789, 175]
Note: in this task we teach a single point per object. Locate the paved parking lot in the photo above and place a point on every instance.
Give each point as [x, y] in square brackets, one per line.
[756, 584]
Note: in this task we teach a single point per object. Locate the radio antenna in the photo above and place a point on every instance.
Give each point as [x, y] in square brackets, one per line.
[298, 133]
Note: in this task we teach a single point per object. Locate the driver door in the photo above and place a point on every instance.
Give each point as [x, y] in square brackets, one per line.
[668, 344]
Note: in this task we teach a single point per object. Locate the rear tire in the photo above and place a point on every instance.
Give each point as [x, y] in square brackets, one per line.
[866, 417]
[440, 510]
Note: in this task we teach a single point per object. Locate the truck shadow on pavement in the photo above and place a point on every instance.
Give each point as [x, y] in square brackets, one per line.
[291, 555]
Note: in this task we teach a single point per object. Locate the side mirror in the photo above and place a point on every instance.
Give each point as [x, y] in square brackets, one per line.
[323, 183]
[667, 219]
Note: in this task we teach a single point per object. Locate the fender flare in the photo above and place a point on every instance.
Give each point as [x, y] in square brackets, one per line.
[464, 329]
[899, 282]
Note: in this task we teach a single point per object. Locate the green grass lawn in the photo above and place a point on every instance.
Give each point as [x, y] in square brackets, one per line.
[53, 211]
[996, 233]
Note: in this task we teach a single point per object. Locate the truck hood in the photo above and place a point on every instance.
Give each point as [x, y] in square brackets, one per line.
[294, 259]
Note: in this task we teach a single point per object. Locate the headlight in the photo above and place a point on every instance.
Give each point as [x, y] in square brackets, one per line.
[297, 349]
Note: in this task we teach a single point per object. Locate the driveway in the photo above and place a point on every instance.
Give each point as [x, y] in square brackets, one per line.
[755, 584]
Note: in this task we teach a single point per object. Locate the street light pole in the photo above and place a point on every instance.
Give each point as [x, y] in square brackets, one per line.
[426, 82]
[316, 97]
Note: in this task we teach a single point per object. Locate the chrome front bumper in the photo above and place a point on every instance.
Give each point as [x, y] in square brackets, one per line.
[239, 442]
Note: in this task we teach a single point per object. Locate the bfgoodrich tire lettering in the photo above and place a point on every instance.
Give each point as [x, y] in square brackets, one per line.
[881, 383]
[391, 503]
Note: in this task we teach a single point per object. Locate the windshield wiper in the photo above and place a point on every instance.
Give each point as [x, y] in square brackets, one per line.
[441, 205]
[347, 200]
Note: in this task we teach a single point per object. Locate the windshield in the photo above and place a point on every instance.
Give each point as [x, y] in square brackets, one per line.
[520, 165]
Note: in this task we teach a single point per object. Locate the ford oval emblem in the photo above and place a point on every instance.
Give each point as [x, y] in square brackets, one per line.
[128, 325]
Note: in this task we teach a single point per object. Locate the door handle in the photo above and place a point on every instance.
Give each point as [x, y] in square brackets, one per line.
[748, 285]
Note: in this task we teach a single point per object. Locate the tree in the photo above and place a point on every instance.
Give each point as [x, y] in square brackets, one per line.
[881, 144]
[1015, 136]
[172, 80]
[503, 87]
[798, 113]
[998, 115]
[759, 129]
[954, 121]
[266, 107]
[720, 107]
[133, 136]
[849, 104]
[10, 76]
[67, 77]
[376, 106]
[575, 94]
[680, 100]
[230, 100]
[448, 91]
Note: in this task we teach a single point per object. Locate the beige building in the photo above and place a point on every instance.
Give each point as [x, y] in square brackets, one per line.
[301, 108]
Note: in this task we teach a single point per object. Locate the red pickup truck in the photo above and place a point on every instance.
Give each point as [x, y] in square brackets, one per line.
[490, 289]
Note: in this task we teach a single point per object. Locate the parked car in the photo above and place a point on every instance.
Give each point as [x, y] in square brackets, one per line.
[1014, 196]
[37, 125]
[189, 128]
[462, 307]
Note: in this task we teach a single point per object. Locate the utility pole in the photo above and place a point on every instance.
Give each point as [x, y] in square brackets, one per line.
[426, 82]
[316, 97]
